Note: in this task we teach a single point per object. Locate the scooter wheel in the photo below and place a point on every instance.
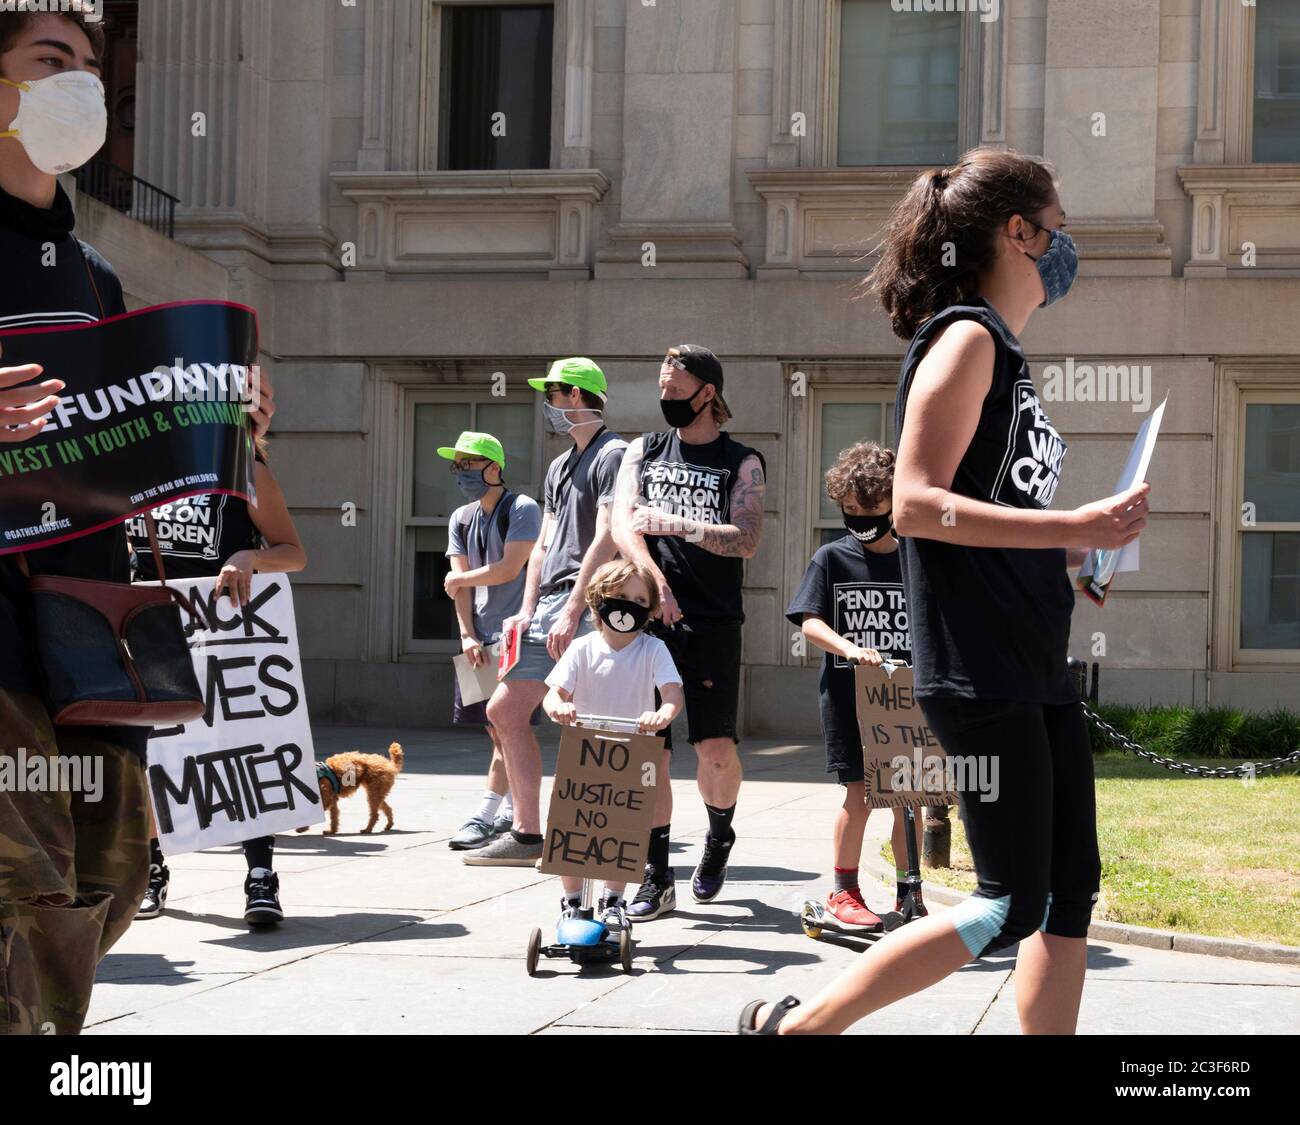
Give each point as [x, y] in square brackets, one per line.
[808, 920]
[534, 951]
[625, 950]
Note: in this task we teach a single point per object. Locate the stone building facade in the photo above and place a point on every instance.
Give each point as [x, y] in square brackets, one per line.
[715, 172]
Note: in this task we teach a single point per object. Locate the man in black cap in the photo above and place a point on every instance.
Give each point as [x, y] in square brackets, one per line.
[689, 507]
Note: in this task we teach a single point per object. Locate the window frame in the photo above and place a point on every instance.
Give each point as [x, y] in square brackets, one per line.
[429, 113]
[1253, 658]
[970, 90]
[408, 524]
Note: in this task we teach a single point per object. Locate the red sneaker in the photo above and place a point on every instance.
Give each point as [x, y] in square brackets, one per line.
[851, 913]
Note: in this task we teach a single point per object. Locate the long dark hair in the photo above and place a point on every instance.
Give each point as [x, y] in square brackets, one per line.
[940, 237]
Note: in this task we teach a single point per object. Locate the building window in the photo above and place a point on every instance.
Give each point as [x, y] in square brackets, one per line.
[900, 77]
[495, 97]
[843, 417]
[431, 496]
[1276, 126]
[1269, 530]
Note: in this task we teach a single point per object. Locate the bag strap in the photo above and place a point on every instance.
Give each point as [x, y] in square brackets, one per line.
[152, 529]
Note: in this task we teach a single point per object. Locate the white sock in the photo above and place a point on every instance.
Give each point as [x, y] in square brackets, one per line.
[508, 808]
[487, 811]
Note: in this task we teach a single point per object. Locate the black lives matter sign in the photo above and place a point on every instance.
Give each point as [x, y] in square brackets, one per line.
[247, 767]
[602, 805]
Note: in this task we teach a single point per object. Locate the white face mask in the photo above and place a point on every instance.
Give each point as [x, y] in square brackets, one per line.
[62, 120]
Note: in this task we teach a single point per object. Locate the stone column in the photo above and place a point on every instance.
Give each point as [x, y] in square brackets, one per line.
[678, 124]
[235, 120]
[1103, 58]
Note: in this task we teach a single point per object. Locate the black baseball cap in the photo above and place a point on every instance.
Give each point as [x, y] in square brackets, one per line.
[704, 365]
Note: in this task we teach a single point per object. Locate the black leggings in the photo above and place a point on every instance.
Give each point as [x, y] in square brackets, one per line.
[1035, 845]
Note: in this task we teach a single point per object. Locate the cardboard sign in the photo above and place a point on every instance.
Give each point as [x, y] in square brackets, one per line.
[602, 804]
[477, 684]
[903, 761]
[136, 427]
[247, 767]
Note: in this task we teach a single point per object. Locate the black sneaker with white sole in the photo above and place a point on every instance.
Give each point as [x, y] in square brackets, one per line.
[711, 874]
[262, 891]
[155, 896]
[657, 896]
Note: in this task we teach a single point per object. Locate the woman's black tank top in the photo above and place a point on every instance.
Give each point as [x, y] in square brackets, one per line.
[992, 622]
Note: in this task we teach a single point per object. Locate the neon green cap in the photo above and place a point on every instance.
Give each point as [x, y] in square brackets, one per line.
[475, 445]
[576, 372]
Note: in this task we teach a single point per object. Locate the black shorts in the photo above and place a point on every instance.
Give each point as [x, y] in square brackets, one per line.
[707, 654]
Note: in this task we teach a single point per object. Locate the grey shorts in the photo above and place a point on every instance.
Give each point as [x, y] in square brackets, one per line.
[535, 662]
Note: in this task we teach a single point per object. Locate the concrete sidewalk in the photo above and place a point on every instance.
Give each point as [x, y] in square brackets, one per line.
[392, 932]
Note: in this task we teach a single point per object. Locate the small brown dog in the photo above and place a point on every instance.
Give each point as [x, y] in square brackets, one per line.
[343, 774]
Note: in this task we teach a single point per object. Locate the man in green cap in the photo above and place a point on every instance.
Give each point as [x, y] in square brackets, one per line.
[575, 541]
[489, 541]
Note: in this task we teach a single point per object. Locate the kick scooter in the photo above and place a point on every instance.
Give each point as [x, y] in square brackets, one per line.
[585, 940]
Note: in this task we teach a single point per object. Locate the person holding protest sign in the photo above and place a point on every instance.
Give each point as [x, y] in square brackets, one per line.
[194, 536]
[617, 672]
[690, 510]
[850, 604]
[984, 568]
[575, 541]
[82, 864]
[489, 542]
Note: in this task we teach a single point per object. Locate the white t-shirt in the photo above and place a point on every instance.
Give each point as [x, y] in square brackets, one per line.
[615, 684]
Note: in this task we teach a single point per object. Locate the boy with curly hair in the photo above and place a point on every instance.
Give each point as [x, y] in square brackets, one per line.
[851, 605]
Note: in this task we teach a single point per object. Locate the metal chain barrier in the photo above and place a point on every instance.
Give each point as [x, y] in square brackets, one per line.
[1248, 769]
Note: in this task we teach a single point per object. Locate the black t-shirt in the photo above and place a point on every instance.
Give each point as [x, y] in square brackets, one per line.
[859, 594]
[195, 536]
[36, 293]
[695, 482]
[992, 622]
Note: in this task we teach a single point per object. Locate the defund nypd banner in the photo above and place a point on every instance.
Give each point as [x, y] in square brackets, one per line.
[155, 410]
[247, 767]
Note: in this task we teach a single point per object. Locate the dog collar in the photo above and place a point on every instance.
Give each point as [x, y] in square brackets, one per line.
[324, 773]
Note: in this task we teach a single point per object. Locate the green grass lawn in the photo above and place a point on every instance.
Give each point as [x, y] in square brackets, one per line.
[1195, 855]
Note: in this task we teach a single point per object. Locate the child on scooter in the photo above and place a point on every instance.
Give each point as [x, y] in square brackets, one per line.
[615, 671]
[850, 605]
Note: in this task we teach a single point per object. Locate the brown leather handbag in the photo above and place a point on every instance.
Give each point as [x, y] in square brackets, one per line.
[114, 654]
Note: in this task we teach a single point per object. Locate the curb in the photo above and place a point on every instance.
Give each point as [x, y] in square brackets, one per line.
[1122, 934]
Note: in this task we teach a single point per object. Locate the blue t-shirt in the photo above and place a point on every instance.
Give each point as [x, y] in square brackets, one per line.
[475, 535]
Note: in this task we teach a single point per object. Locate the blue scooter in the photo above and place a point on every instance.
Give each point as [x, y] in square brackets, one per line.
[585, 940]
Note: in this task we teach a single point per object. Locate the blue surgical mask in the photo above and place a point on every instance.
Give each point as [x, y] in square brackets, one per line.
[1058, 266]
[471, 484]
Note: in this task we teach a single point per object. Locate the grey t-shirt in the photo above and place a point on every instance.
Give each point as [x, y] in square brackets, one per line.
[474, 534]
[576, 487]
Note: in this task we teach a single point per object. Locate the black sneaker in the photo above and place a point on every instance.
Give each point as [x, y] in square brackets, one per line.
[262, 888]
[656, 897]
[155, 897]
[711, 874]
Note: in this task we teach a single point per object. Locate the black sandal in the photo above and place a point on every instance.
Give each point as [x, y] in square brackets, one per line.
[750, 1013]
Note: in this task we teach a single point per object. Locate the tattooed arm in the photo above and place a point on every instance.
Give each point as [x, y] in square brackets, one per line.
[740, 538]
[629, 519]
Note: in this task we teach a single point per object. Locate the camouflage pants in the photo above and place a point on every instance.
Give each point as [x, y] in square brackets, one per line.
[72, 871]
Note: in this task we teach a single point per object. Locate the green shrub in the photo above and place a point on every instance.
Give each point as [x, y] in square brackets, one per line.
[1213, 732]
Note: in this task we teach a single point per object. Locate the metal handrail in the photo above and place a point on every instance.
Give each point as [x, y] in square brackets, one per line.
[127, 193]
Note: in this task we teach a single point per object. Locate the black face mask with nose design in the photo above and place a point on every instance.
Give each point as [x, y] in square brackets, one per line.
[623, 616]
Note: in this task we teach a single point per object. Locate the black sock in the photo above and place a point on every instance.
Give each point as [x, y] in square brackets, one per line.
[657, 855]
[155, 853]
[526, 837]
[720, 824]
[846, 879]
[258, 852]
